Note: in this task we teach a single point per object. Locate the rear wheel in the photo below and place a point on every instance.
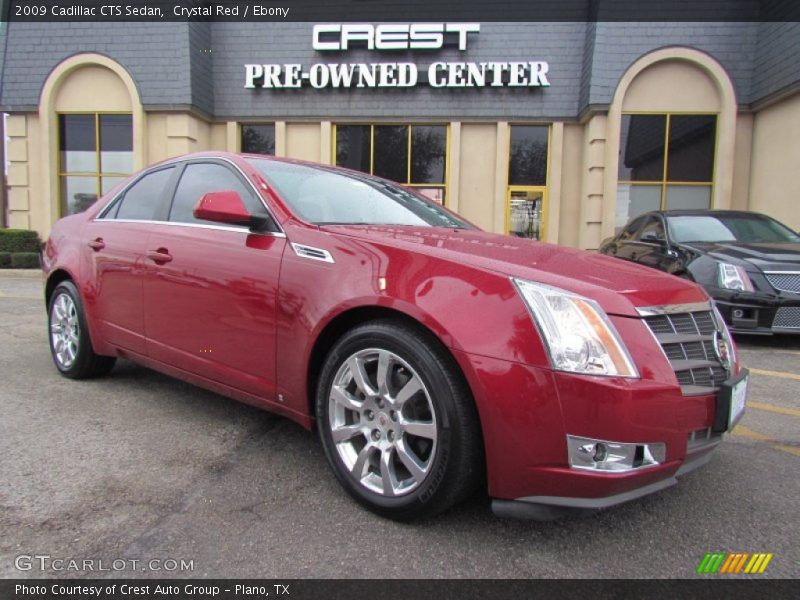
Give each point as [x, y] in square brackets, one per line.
[397, 422]
[69, 337]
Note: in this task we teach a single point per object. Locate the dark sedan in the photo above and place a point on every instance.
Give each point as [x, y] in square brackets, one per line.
[748, 262]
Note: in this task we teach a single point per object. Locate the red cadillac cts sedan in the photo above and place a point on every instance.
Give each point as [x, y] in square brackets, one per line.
[432, 357]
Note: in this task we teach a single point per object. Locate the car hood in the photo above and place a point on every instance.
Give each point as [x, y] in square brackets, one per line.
[618, 286]
[762, 255]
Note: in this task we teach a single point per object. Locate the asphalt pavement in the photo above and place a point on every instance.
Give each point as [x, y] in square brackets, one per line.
[139, 467]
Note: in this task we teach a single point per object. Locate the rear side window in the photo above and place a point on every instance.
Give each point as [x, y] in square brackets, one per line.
[197, 180]
[144, 198]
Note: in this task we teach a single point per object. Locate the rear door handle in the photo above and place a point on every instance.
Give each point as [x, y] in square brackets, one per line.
[97, 244]
[159, 256]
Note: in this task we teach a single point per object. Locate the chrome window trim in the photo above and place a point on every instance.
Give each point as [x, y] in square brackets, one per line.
[176, 162]
[669, 309]
[305, 251]
[235, 228]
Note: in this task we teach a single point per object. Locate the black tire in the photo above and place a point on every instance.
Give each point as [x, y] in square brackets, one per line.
[456, 462]
[86, 363]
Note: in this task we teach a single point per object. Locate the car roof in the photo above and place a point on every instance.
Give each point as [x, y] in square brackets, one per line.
[699, 212]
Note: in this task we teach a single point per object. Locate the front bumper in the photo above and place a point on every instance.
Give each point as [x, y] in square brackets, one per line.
[755, 313]
[547, 508]
[527, 412]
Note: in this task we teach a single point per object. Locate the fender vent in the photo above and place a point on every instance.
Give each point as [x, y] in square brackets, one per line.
[312, 253]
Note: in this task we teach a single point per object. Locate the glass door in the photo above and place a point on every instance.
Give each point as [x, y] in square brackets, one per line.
[525, 212]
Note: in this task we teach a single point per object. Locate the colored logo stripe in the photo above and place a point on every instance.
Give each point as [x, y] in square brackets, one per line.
[711, 562]
[758, 564]
[733, 563]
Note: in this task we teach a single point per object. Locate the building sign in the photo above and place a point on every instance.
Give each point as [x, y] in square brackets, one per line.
[396, 37]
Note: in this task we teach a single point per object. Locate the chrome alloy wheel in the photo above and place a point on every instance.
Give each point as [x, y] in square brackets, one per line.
[64, 330]
[382, 422]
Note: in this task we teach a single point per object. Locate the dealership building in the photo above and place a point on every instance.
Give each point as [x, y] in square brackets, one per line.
[559, 131]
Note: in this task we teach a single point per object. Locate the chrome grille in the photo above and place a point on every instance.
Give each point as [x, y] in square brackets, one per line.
[687, 339]
[785, 282]
[787, 317]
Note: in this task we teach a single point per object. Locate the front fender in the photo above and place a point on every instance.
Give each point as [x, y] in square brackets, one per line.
[469, 309]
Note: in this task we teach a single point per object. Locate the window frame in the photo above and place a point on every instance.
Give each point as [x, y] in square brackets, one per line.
[664, 183]
[445, 186]
[97, 174]
[543, 189]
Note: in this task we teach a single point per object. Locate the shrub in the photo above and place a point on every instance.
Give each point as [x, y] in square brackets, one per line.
[5, 260]
[25, 260]
[19, 240]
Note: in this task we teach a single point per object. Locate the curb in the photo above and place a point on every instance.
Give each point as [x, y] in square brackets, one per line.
[20, 274]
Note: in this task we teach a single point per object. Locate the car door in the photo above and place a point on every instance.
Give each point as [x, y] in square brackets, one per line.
[117, 242]
[210, 290]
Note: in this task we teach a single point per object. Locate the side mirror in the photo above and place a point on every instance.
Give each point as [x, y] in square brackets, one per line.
[223, 207]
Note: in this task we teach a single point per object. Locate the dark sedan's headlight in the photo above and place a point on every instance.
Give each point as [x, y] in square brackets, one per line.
[577, 332]
[733, 277]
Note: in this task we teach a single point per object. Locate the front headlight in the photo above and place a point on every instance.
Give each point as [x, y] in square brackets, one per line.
[576, 331]
[734, 277]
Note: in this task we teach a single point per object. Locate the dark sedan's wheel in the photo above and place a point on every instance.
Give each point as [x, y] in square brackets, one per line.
[397, 422]
[69, 338]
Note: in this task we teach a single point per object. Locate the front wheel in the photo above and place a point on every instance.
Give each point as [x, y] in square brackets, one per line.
[397, 421]
[69, 337]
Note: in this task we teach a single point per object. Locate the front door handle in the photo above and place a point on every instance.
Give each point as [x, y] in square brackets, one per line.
[97, 244]
[159, 256]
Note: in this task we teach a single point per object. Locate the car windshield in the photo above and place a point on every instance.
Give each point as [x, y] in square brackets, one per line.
[330, 197]
[729, 228]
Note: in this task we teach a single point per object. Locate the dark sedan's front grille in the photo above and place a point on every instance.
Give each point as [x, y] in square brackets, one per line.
[687, 339]
[787, 317]
[784, 282]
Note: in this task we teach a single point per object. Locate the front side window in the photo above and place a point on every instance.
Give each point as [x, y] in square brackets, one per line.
[258, 139]
[197, 180]
[144, 199]
[666, 161]
[95, 154]
[327, 197]
[414, 155]
[630, 231]
[653, 230]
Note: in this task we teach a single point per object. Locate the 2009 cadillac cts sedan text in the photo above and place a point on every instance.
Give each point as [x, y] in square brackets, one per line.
[431, 356]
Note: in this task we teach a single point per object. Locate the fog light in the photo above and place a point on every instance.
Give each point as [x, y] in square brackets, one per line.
[602, 455]
[600, 452]
[738, 313]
